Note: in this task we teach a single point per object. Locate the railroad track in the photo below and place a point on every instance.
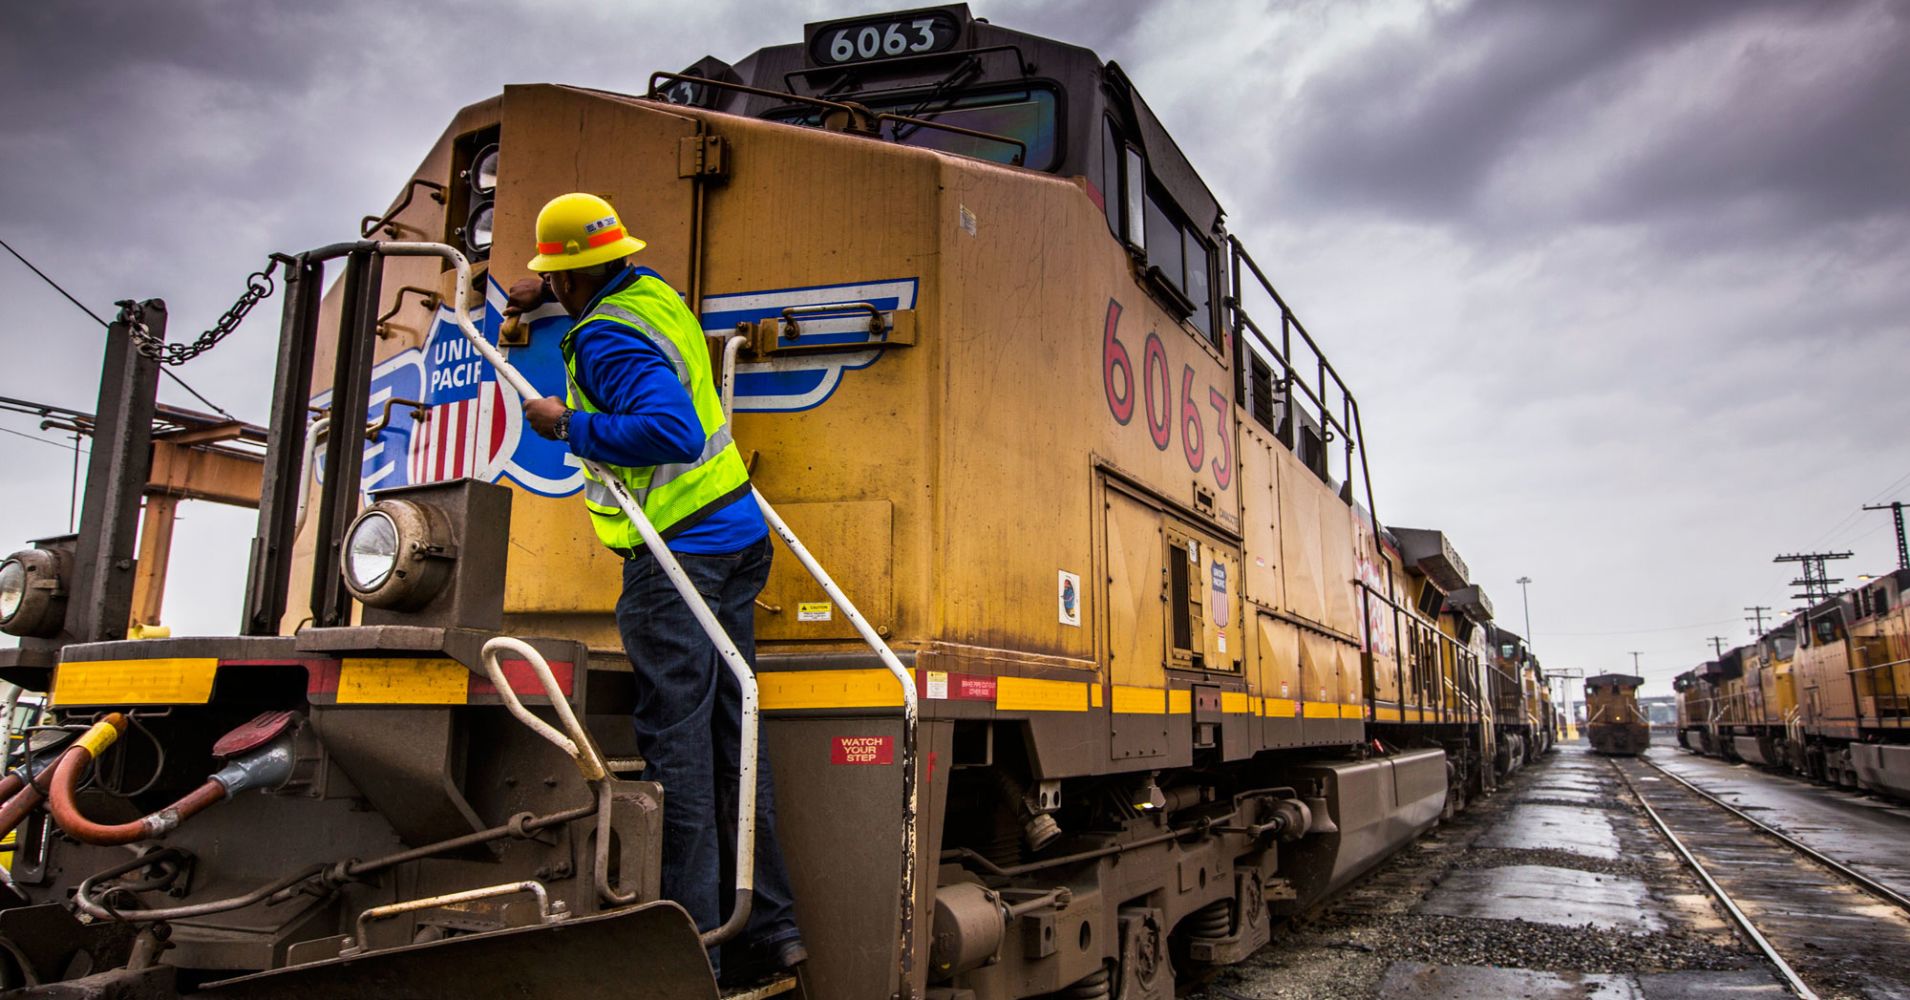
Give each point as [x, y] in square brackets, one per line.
[1828, 929]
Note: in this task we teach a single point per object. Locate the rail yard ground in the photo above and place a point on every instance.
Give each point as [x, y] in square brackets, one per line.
[1559, 885]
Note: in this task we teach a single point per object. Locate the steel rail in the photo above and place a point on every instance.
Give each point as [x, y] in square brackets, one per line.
[1857, 878]
[1737, 915]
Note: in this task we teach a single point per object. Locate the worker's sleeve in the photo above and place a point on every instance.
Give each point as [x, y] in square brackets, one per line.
[648, 418]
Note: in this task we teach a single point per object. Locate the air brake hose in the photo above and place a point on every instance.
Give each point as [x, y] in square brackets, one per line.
[21, 803]
[258, 754]
[66, 781]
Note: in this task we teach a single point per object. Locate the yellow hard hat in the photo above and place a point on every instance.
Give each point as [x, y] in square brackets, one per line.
[580, 230]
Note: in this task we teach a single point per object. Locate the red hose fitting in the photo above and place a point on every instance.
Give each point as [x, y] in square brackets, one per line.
[22, 803]
[66, 780]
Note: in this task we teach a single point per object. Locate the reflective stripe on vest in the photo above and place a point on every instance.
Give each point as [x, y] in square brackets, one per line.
[674, 496]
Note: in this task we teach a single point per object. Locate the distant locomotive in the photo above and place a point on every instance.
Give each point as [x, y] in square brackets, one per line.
[991, 352]
[1614, 724]
[1825, 694]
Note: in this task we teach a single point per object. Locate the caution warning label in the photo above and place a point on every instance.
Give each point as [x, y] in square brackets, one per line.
[862, 750]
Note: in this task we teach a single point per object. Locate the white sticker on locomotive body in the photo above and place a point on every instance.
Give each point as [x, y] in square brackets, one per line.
[1068, 598]
[815, 611]
[1221, 639]
[968, 220]
[938, 684]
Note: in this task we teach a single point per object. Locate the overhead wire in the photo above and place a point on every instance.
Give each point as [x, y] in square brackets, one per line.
[81, 306]
[1638, 631]
[1845, 524]
[42, 440]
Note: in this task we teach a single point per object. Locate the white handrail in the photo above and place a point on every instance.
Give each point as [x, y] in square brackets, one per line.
[730, 347]
[578, 743]
[310, 467]
[725, 647]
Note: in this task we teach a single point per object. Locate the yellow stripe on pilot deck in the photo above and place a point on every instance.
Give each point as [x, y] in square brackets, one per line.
[402, 681]
[166, 681]
[859, 688]
[1233, 702]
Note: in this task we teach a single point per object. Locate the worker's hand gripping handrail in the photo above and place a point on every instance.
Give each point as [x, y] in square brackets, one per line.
[725, 647]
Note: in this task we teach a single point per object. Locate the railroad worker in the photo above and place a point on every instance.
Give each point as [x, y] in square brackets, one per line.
[643, 402]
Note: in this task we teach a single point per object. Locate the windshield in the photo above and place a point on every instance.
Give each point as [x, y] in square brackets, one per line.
[1024, 113]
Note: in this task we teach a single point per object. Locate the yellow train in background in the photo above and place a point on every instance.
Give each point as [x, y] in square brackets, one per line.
[1614, 724]
[1825, 693]
[992, 354]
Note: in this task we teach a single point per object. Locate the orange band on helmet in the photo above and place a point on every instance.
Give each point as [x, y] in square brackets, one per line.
[550, 248]
[607, 236]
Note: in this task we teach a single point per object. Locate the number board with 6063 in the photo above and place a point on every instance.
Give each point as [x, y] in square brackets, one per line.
[912, 34]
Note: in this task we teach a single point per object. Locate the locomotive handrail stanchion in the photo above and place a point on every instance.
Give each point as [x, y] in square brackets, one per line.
[889, 660]
[909, 716]
[725, 647]
[578, 743]
[730, 347]
[548, 911]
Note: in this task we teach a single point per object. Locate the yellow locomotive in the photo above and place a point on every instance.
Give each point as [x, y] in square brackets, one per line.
[1093, 660]
[1825, 694]
[1613, 722]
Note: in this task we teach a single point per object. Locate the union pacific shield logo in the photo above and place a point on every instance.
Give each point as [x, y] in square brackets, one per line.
[449, 417]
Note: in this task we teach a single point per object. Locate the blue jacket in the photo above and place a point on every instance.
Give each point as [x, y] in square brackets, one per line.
[648, 420]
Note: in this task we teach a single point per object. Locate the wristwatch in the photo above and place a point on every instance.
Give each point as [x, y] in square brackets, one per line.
[563, 424]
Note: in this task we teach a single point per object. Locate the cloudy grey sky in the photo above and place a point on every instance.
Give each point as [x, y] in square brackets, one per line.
[1622, 287]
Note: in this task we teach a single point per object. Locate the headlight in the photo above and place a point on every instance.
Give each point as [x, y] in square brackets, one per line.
[33, 593]
[477, 229]
[483, 172]
[13, 588]
[398, 554]
[371, 551]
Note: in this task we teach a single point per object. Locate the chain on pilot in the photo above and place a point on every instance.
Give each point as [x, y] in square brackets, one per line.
[643, 401]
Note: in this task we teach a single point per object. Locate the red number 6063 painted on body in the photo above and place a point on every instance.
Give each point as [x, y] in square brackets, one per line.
[1157, 390]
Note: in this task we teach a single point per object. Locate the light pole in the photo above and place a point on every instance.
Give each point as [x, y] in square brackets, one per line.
[1526, 600]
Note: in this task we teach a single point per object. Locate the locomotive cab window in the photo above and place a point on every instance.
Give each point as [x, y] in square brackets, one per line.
[1109, 181]
[1180, 259]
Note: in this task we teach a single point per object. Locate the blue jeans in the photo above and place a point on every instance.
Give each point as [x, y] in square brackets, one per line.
[689, 723]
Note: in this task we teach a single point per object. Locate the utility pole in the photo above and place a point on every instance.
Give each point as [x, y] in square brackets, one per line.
[1717, 645]
[1634, 662]
[1526, 600]
[1895, 507]
[1816, 580]
[1757, 629]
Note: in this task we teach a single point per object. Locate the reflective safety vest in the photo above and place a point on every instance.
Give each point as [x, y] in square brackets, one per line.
[674, 497]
